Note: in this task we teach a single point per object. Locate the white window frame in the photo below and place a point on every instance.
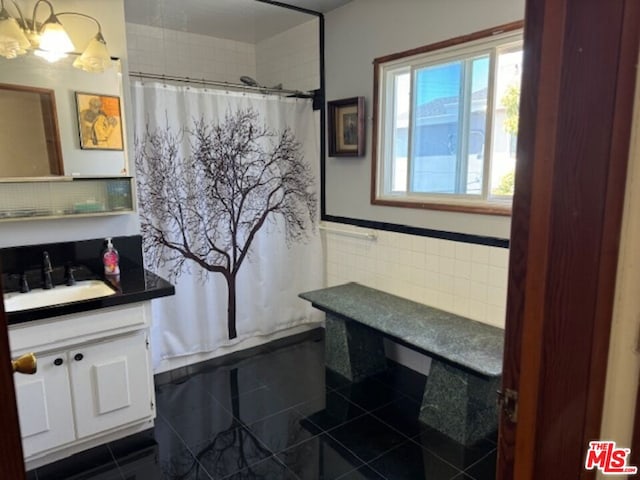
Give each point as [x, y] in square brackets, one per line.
[490, 42]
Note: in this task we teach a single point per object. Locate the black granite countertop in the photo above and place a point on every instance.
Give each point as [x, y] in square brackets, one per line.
[452, 338]
[84, 259]
[132, 285]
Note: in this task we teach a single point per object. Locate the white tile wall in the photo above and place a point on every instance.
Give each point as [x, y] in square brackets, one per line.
[291, 58]
[169, 52]
[465, 279]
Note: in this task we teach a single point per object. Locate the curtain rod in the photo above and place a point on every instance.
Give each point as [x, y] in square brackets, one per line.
[221, 84]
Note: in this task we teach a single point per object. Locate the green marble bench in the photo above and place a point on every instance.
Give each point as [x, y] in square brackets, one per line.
[460, 393]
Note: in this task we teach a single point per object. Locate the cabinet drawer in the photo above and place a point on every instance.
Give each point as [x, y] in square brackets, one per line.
[59, 332]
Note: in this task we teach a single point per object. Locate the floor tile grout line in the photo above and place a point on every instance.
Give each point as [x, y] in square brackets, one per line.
[462, 476]
[170, 425]
[369, 463]
[407, 440]
[266, 459]
[413, 440]
[253, 390]
[292, 407]
[115, 460]
[242, 425]
[351, 471]
[324, 430]
[372, 468]
[361, 406]
[268, 416]
[373, 414]
[466, 470]
[295, 475]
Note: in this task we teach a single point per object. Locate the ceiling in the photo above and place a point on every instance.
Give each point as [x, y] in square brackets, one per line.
[242, 20]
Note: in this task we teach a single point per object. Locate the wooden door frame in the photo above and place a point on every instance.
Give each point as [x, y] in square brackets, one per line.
[11, 459]
[579, 75]
[543, 329]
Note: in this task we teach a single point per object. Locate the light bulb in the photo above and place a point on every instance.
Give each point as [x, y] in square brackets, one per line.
[54, 38]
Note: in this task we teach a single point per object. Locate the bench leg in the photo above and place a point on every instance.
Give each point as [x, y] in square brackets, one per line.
[352, 350]
[460, 404]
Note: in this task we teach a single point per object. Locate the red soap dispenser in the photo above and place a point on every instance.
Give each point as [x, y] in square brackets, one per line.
[110, 259]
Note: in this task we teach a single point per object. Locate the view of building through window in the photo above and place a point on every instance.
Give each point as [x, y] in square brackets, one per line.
[451, 126]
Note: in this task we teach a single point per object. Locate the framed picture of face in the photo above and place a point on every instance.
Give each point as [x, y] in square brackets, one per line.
[99, 121]
[346, 127]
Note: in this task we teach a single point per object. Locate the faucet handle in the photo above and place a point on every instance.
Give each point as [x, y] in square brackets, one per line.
[24, 285]
[46, 262]
[68, 274]
[47, 283]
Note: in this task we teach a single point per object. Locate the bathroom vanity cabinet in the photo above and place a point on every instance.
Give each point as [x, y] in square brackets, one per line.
[93, 385]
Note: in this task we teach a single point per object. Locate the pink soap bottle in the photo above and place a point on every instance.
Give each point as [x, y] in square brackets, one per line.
[110, 259]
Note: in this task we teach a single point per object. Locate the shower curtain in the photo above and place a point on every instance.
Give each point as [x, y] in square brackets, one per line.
[228, 196]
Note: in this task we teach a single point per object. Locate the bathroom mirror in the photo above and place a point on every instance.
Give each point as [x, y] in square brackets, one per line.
[65, 156]
[29, 132]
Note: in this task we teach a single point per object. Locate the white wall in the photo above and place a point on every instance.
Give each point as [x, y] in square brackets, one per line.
[624, 360]
[363, 30]
[110, 13]
[291, 58]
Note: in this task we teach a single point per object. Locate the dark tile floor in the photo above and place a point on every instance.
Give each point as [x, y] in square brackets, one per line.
[277, 414]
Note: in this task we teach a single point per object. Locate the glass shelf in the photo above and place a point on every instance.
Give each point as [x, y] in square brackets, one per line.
[77, 197]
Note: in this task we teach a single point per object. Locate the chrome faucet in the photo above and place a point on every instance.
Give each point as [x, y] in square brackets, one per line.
[46, 271]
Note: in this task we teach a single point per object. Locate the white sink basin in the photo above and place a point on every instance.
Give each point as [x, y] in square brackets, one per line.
[36, 298]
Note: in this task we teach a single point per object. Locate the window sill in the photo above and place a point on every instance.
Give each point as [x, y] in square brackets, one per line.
[485, 208]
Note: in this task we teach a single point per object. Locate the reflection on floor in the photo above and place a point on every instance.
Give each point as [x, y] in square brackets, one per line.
[277, 414]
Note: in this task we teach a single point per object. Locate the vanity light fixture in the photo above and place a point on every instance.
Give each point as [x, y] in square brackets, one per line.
[49, 39]
[13, 41]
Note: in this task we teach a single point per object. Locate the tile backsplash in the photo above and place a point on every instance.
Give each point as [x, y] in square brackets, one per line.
[462, 278]
[169, 52]
[291, 58]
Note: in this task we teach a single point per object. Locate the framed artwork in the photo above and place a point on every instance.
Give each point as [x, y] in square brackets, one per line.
[99, 121]
[346, 127]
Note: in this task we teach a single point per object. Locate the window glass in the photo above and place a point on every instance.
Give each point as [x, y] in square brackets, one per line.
[449, 122]
[402, 98]
[505, 131]
[436, 126]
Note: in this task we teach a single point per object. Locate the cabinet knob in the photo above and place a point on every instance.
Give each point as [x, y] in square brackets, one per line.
[58, 361]
[78, 357]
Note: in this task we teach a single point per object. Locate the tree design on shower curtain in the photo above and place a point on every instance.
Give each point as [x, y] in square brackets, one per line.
[204, 208]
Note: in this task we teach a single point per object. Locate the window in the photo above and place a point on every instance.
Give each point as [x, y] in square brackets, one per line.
[446, 123]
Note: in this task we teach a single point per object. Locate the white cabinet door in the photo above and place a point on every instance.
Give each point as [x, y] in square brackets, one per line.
[44, 405]
[110, 382]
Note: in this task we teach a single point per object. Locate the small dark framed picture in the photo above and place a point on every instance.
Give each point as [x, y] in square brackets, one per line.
[99, 121]
[346, 127]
